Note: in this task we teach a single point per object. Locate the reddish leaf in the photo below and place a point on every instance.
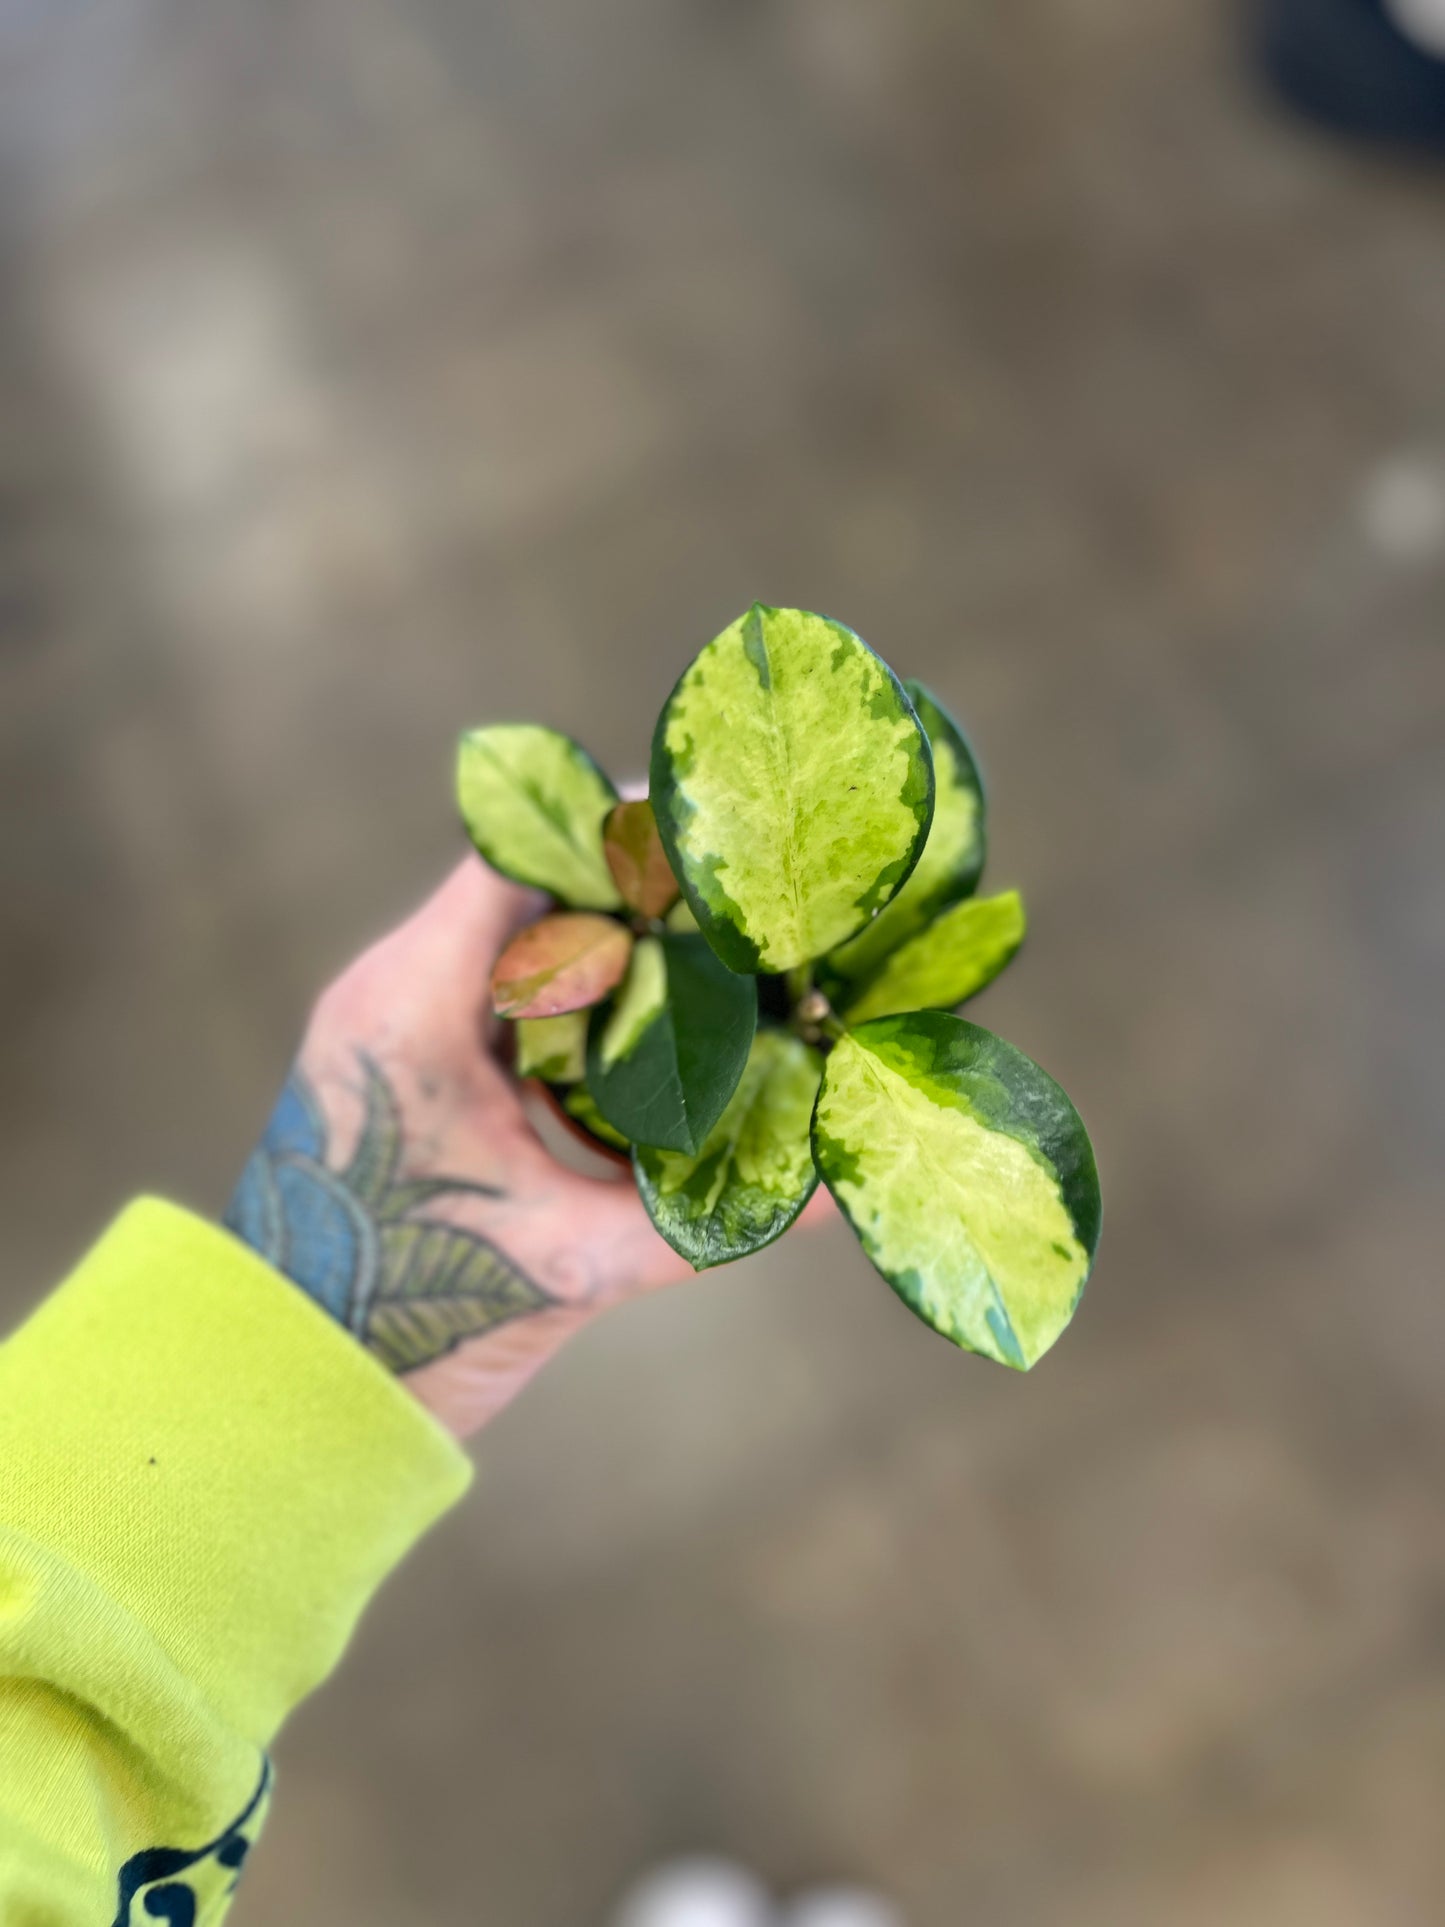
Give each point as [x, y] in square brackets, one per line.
[563, 962]
[637, 860]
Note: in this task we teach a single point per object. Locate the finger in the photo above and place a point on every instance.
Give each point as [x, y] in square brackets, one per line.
[458, 933]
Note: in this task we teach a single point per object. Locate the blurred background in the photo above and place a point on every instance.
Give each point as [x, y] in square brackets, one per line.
[369, 368]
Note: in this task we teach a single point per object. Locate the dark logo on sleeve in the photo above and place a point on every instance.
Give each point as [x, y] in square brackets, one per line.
[187, 1886]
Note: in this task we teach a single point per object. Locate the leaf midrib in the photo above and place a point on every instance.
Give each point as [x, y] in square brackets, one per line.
[788, 844]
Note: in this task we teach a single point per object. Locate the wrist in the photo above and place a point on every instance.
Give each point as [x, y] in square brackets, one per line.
[467, 1388]
[431, 1273]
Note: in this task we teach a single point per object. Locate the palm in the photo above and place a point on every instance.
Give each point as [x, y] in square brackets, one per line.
[491, 1250]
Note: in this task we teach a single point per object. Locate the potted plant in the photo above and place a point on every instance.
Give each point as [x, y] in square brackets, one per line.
[749, 983]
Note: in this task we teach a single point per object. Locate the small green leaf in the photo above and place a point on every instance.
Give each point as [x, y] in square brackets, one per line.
[640, 1000]
[793, 787]
[637, 860]
[567, 961]
[967, 1175]
[952, 859]
[952, 959]
[378, 1149]
[581, 1106]
[680, 920]
[533, 803]
[408, 1193]
[553, 1048]
[440, 1285]
[664, 1062]
[755, 1172]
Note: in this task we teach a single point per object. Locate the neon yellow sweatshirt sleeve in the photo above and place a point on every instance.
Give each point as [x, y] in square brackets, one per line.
[202, 1481]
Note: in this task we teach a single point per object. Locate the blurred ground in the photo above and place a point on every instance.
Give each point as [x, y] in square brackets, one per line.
[372, 367]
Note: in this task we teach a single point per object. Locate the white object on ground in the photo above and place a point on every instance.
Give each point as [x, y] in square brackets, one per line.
[841, 1907]
[1402, 507]
[697, 1893]
[1422, 20]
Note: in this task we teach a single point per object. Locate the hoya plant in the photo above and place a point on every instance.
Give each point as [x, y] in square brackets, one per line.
[750, 981]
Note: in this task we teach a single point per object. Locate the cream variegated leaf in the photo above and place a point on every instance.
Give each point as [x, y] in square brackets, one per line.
[755, 1172]
[553, 1048]
[953, 959]
[581, 1106]
[533, 803]
[638, 1003]
[967, 1175]
[793, 787]
[952, 858]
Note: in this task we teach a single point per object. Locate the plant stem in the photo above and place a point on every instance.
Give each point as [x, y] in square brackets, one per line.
[813, 1017]
[799, 982]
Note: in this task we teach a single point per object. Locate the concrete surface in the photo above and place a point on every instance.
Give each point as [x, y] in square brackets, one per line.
[371, 368]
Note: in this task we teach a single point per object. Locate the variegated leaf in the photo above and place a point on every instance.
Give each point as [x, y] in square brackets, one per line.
[567, 961]
[581, 1106]
[793, 787]
[952, 959]
[755, 1172]
[533, 803]
[967, 1175]
[553, 1048]
[637, 860]
[952, 858]
[664, 1060]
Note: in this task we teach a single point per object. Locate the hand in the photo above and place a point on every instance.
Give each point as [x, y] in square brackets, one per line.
[400, 1183]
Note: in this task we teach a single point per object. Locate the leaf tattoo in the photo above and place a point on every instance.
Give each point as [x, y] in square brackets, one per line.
[410, 1288]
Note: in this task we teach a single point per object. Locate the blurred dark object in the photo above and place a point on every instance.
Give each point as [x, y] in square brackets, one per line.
[1346, 63]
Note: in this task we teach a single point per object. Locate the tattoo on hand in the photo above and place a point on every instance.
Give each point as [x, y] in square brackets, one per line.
[410, 1287]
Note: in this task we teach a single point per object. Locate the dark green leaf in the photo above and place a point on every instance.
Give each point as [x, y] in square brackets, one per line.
[664, 1061]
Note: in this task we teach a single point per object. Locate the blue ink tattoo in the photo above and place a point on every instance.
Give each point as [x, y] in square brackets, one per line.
[411, 1288]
